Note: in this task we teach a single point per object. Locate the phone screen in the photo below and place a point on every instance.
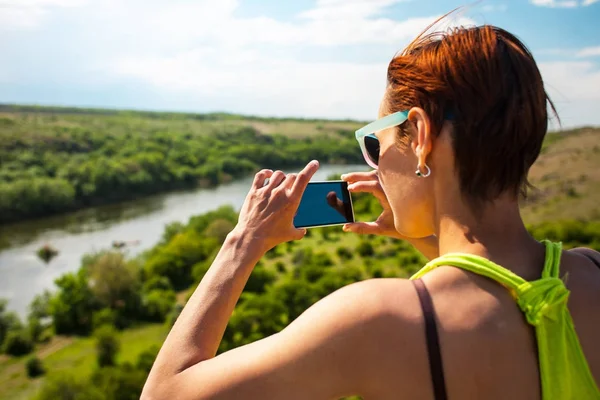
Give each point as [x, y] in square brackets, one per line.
[324, 203]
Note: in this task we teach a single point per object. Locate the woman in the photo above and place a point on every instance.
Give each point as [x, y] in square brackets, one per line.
[468, 111]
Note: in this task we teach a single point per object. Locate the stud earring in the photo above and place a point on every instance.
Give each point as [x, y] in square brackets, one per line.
[423, 175]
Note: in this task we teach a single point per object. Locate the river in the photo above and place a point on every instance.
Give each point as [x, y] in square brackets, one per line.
[23, 274]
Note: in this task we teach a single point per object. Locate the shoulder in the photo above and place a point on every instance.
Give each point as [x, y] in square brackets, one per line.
[368, 314]
[584, 252]
[375, 299]
[375, 326]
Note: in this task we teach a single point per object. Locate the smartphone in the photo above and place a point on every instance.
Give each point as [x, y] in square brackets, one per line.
[324, 204]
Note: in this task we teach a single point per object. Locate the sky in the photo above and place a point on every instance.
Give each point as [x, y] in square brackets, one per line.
[300, 58]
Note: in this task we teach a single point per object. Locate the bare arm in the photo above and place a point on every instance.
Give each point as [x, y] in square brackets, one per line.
[326, 353]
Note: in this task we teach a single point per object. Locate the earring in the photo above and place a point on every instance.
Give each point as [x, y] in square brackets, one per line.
[423, 175]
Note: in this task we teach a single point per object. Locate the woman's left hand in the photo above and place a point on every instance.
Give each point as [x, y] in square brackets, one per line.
[267, 215]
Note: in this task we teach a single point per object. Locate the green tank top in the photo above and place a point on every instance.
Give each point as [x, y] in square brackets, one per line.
[564, 371]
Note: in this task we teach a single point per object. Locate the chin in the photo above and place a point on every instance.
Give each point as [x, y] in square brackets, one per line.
[412, 231]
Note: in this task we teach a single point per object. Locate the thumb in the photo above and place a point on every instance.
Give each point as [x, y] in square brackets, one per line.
[298, 234]
[363, 228]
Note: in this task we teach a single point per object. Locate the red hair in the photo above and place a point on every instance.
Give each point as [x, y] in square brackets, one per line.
[488, 82]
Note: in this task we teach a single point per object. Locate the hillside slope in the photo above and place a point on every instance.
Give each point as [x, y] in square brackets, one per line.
[566, 178]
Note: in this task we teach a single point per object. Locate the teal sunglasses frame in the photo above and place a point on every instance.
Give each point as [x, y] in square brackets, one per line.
[367, 133]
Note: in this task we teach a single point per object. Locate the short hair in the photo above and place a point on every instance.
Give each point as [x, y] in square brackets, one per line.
[487, 83]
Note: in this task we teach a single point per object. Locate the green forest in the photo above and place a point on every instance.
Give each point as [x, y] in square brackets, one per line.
[96, 335]
[57, 160]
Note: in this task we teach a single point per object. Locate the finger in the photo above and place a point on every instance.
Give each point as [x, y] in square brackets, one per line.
[363, 228]
[260, 178]
[373, 187]
[298, 234]
[360, 176]
[303, 178]
[288, 183]
[275, 180]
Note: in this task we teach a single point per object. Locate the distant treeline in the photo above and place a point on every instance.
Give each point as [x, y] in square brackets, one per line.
[213, 116]
[53, 167]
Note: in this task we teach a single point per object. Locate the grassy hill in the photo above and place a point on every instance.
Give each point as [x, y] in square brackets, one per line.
[566, 178]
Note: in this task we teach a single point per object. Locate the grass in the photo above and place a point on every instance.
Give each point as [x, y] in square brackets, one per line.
[27, 121]
[75, 356]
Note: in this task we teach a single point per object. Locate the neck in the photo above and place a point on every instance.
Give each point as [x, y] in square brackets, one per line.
[497, 233]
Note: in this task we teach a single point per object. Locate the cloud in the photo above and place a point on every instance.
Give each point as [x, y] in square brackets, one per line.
[204, 55]
[239, 60]
[589, 52]
[494, 8]
[28, 14]
[563, 3]
[572, 85]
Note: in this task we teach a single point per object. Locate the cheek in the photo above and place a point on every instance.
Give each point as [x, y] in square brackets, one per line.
[406, 193]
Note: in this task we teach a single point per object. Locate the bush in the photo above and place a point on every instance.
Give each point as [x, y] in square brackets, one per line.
[259, 279]
[175, 259]
[107, 346]
[302, 256]
[365, 249]
[17, 343]
[9, 321]
[61, 387]
[158, 303]
[219, 229]
[106, 316]
[344, 253]
[34, 367]
[280, 267]
[157, 282]
[322, 259]
[146, 358]
[119, 383]
[173, 315]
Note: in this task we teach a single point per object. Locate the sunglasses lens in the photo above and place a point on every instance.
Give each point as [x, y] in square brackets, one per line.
[372, 147]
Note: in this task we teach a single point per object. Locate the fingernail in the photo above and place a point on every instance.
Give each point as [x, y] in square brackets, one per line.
[314, 162]
[345, 228]
[343, 176]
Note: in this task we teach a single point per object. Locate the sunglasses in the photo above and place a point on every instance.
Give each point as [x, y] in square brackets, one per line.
[368, 142]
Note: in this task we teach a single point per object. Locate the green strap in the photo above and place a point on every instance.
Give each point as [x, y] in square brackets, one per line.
[541, 298]
[476, 264]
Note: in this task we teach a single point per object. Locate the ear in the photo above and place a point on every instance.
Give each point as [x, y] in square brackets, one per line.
[422, 143]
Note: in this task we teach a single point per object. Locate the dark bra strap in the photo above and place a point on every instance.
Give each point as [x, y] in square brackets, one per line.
[436, 367]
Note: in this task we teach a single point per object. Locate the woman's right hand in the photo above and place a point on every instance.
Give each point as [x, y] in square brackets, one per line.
[359, 182]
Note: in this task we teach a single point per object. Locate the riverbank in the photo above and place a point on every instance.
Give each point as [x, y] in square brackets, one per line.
[86, 231]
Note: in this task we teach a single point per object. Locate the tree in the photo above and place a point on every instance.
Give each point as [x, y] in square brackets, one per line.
[8, 321]
[73, 305]
[107, 346]
[175, 259]
[113, 282]
[39, 319]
